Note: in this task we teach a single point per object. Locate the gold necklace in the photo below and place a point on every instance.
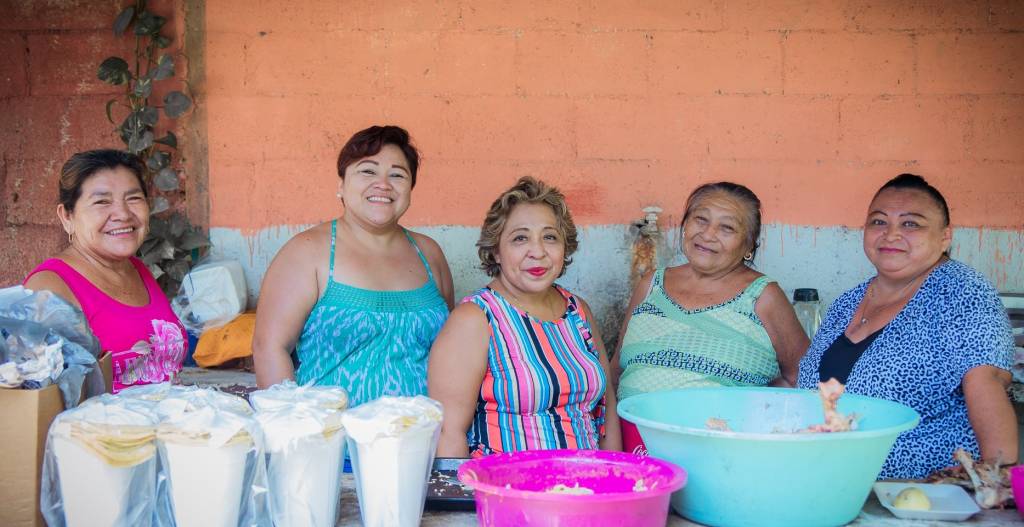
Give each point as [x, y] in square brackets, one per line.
[871, 295]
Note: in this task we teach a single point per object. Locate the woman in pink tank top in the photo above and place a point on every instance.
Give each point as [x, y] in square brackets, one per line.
[103, 208]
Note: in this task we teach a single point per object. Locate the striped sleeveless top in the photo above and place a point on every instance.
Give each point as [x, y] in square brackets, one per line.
[667, 346]
[371, 343]
[544, 385]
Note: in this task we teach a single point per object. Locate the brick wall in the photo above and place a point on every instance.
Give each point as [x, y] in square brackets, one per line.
[51, 106]
[623, 103]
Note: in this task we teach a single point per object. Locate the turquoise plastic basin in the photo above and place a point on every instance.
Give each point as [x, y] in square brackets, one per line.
[762, 473]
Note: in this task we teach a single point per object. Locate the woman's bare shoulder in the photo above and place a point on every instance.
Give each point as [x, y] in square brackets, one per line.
[51, 281]
[312, 241]
[428, 245]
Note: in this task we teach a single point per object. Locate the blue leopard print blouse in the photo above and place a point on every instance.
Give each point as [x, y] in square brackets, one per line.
[953, 323]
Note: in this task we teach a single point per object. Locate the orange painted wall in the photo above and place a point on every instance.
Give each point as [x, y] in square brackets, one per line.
[621, 103]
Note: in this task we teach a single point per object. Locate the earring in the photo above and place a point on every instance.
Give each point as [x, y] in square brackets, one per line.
[70, 237]
[748, 257]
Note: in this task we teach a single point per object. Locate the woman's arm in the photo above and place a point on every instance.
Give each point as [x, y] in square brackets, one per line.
[639, 294]
[612, 439]
[458, 361]
[289, 292]
[991, 413]
[784, 330]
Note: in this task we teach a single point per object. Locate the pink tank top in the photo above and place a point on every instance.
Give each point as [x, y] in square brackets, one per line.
[147, 343]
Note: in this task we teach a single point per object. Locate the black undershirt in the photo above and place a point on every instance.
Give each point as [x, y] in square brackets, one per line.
[839, 358]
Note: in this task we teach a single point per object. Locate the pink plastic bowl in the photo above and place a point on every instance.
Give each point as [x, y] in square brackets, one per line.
[1017, 484]
[511, 488]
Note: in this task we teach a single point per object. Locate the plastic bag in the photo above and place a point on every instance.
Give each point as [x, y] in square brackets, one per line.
[212, 294]
[392, 441]
[100, 465]
[156, 456]
[213, 467]
[305, 451]
[45, 340]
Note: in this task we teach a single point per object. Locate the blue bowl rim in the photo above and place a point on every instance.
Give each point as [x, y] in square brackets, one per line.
[678, 481]
[624, 411]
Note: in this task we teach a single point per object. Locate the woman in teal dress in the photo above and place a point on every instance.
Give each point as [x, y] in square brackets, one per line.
[359, 299]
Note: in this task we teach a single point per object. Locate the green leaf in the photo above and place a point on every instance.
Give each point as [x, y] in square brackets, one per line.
[132, 126]
[157, 226]
[167, 250]
[162, 42]
[177, 270]
[194, 239]
[160, 204]
[164, 68]
[158, 160]
[155, 270]
[122, 21]
[176, 104]
[139, 142]
[170, 140]
[114, 70]
[110, 103]
[143, 88]
[178, 225]
[149, 243]
[148, 24]
[149, 115]
[166, 180]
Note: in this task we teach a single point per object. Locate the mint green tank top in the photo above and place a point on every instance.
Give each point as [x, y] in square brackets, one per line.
[371, 343]
[667, 346]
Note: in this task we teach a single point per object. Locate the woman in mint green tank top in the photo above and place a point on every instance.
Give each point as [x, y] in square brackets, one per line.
[712, 321]
[359, 299]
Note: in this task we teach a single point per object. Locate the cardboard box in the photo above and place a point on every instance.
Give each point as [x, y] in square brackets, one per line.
[25, 417]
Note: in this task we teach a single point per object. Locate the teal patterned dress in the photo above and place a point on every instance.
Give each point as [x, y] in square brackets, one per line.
[371, 343]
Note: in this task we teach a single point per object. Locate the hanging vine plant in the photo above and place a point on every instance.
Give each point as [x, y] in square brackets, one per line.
[172, 242]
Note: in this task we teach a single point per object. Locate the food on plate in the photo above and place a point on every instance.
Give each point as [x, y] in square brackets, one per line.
[912, 498]
[991, 483]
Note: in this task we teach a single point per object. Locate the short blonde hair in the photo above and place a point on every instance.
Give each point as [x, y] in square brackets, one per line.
[526, 190]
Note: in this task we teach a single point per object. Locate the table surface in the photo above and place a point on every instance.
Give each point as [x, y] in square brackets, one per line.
[873, 514]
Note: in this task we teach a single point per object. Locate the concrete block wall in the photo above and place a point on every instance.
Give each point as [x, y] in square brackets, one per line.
[51, 106]
[623, 104]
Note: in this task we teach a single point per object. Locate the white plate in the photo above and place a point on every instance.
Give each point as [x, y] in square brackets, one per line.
[949, 502]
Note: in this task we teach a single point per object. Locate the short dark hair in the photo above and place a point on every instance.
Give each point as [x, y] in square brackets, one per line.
[746, 197]
[368, 142]
[83, 165]
[915, 182]
[526, 190]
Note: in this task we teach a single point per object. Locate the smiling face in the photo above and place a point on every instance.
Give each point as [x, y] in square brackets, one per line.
[111, 216]
[905, 233]
[377, 189]
[715, 237]
[531, 250]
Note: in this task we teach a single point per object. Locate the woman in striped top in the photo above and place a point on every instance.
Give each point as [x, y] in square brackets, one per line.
[518, 365]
